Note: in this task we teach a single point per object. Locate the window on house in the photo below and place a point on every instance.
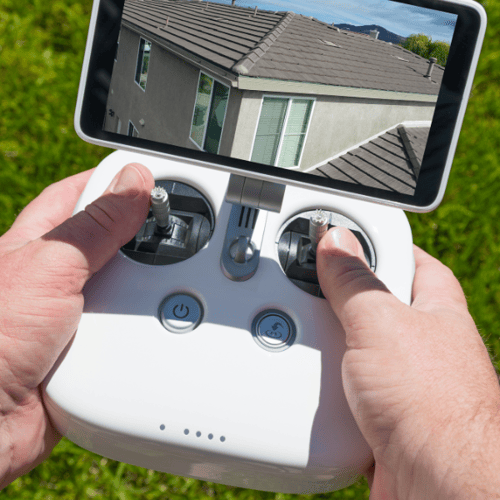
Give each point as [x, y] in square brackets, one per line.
[209, 113]
[132, 131]
[141, 71]
[281, 131]
[117, 45]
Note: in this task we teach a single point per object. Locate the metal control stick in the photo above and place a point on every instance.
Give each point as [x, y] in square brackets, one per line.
[318, 226]
[160, 205]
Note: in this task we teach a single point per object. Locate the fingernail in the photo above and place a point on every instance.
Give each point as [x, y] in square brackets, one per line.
[343, 240]
[126, 180]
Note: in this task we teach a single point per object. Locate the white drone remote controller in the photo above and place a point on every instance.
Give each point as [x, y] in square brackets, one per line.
[205, 348]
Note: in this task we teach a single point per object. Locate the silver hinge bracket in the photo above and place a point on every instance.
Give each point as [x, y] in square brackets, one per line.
[262, 195]
[251, 201]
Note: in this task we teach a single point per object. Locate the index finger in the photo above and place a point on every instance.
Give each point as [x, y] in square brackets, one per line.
[435, 285]
[50, 208]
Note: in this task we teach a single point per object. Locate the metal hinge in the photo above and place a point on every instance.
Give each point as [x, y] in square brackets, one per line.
[262, 195]
[251, 200]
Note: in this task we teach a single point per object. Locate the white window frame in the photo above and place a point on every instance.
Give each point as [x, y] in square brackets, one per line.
[134, 127]
[118, 45]
[206, 124]
[138, 83]
[285, 122]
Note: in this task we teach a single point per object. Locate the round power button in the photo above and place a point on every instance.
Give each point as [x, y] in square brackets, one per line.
[180, 313]
[273, 330]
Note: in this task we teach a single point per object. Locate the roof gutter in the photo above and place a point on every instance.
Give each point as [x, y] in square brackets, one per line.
[292, 87]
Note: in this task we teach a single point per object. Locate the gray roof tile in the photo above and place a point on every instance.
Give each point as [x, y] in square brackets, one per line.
[382, 163]
[285, 45]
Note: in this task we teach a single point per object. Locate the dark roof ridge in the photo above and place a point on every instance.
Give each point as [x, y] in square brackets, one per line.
[246, 63]
[410, 147]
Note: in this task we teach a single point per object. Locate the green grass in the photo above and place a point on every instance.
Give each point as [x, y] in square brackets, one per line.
[41, 50]
[73, 474]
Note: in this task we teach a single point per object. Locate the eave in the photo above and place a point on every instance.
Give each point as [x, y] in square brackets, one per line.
[293, 87]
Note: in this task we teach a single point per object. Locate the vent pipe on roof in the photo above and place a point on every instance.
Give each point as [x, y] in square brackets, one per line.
[374, 34]
[255, 11]
[233, 2]
[432, 61]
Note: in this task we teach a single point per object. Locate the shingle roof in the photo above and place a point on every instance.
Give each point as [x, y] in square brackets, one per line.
[221, 34]
[391, 161]
[283, 46]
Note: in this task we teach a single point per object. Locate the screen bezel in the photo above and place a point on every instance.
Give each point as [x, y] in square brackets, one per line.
[443, 136]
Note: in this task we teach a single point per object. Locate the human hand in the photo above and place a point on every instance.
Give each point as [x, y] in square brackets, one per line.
[45, 260]
[418, 379]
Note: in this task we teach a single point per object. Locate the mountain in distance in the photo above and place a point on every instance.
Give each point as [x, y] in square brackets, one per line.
[385, 35]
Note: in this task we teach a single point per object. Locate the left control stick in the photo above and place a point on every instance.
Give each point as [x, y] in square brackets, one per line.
[160, 205]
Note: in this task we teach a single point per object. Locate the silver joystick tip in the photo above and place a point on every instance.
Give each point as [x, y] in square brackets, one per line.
[318, 226]
[160, 205]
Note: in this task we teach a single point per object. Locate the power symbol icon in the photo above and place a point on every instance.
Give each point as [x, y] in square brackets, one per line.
[181, 311]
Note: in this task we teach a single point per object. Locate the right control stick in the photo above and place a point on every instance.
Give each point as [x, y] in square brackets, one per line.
[298, 240]
[318, 227]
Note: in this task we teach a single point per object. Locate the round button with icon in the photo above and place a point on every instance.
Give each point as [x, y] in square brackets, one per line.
[180, 313]
[273, 330]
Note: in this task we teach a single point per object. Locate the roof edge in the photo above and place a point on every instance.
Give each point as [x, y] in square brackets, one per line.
[410, 151]
[248, 61]
[406, 123]
[199, 62]
[295, 87]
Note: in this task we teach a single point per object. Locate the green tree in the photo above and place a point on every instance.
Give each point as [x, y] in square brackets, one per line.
[440, 51]
[423, 45]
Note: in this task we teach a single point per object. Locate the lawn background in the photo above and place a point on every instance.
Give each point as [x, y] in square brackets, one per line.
[41, 51]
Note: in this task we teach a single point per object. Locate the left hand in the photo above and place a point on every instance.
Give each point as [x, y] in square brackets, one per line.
[45, 260]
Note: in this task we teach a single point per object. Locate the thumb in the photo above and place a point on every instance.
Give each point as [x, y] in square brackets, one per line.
[81, 245]
[359, 299]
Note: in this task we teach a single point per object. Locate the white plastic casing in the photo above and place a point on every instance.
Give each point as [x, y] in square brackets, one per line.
[127, 388]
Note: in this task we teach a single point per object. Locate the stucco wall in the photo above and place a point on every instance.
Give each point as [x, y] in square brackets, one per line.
[337, 123]
[167, 104]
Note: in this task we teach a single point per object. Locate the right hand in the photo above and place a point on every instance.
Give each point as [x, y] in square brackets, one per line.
[418, 380]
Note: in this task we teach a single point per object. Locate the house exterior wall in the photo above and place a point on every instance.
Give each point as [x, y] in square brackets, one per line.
[167, 104]
[337, 123]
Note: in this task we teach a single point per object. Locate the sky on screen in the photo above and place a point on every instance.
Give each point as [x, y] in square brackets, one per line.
[399, 18]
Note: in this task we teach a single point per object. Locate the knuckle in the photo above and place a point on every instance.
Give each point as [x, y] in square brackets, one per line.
[104, 213]
[51, 189]
[356, 274]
